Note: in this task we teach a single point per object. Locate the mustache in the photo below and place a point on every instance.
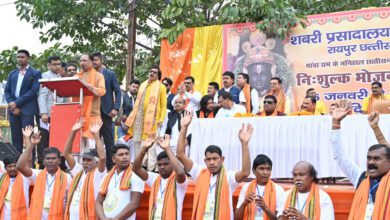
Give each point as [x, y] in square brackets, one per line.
[372, 166]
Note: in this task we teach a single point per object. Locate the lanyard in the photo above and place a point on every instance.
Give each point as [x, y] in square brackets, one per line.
[161, 191]
[212, 187]
[304, 204]
[262, 196]
[371, 191]
[115, 175]
[49, 185]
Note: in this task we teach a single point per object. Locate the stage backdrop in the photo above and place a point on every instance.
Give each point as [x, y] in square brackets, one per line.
[338, 54]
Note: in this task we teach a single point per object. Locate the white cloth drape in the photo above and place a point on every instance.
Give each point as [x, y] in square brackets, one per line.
[287, 140]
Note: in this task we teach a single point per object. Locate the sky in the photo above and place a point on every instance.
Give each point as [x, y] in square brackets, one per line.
[16, 32]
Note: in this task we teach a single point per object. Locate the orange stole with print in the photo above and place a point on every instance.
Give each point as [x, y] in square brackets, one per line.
[18, 202]
[382, 200]
[151, 108]
[87, 199]
[124, 184]
[269, 199]
[312, 208]
[169, 211]
[57, 200]
[222, 206]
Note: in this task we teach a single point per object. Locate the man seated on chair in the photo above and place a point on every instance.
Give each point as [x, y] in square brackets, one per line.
[269, 106]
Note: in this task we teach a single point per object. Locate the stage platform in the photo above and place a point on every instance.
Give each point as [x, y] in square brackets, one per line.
[341, 196]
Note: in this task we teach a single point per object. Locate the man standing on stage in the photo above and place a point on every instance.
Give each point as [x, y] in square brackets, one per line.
[21, 92]
[371, 200]
[121, 189]
[261, 198]
[169, 187]
[149, 110]
[214, 185]
[87, 176]
[110, 104]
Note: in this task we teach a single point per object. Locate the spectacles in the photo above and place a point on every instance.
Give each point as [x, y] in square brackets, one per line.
[187, 83]
[153, 71]
[268, 102]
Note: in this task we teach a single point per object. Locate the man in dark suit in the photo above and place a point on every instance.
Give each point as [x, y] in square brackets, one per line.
[21, 94]
[109, 104]
[128, 102]
[168, 84]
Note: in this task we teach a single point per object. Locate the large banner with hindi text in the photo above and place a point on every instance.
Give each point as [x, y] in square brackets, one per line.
[338, 54]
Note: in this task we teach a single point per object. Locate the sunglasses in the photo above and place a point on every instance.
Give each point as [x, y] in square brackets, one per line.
[165, 84]
[268, 102]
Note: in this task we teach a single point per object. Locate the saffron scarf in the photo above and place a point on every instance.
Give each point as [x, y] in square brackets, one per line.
[382, 200]
[371, 101]
[57, 200]
[222, 206]
[281, 101]
[312, 208]
[124, 184]
[87, 200]
[202, 114]
[87, 103]
[263, 114]
[247, 93]
[18, 201]
[169, 211]
[187, 99]
[151, 106]
[269, 198]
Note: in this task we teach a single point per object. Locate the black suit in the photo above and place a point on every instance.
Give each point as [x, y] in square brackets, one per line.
[108, 103]
[169, 102]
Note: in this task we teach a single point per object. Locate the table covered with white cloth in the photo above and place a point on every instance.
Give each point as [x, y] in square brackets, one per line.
[287, 140]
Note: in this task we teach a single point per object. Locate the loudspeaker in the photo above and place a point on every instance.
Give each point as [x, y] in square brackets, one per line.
[7, 150]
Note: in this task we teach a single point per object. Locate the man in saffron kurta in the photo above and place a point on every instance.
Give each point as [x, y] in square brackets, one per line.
[320, 106]
[372, 197]
[306, 200]
[149, 110]
[214, 185]
[167, 188]
[121, 190]
[51, 184]
[260, 198]
[308, 107]
[14, 189]
[87, 176]
[91, 104]
[377, 95]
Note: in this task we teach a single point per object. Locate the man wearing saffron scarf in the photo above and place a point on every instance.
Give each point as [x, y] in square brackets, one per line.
[248, 95]
[214, 185]
[91, 104]
[306, 200]
[260, 198]
[169, 187]
[377, 94]
[14, 189]
[121, 189]
[87, 176]
[276, 89]
[149, 110]
[187, 92]
[269, 108]
[308, 107]
[320, 106]
[51, 184]
[371, 200]
[207, 109]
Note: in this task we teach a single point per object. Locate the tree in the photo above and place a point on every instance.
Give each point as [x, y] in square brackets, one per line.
[102, 25]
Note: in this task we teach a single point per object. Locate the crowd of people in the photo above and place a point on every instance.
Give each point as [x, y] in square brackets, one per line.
[154, 130]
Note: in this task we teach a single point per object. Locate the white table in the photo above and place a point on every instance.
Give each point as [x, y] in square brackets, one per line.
[287, 140]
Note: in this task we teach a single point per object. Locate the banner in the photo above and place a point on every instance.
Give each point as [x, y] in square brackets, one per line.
[337, 54]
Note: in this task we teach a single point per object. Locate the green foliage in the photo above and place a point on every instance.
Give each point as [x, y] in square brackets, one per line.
[102, 25]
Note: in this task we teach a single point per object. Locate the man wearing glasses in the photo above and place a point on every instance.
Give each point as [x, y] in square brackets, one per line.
[149, 109]
[269, 105]
[45, 102]
[187, 92]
